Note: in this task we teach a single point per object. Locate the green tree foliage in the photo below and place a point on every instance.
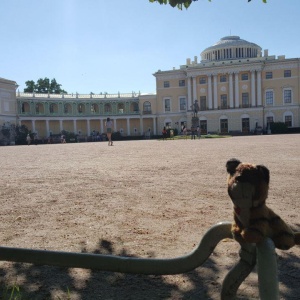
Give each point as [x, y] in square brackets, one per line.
[278, 127]
[183, 3]
[21, 132]
[44, 86]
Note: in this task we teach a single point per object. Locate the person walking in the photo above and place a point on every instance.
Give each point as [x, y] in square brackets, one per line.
[198, 132]
[164, 133]
[28, 139]
[109, 129]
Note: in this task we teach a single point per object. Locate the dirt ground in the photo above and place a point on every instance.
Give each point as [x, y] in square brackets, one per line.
[137, 198]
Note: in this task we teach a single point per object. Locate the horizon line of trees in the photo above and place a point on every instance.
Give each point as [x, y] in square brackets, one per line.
[44, 86]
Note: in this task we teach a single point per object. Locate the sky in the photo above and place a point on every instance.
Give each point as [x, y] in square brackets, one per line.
[116, 45]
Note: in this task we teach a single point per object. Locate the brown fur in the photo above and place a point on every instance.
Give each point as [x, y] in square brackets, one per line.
[248, 187]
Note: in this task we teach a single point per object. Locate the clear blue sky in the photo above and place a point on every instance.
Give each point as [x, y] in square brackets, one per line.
[116, 45]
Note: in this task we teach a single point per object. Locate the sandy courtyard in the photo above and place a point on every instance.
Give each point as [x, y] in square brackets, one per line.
[138, 198]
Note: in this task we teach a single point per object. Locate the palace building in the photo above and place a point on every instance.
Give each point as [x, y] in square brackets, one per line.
[238, 87]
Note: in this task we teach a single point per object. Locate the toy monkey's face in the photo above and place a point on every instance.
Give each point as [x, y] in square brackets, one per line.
[247, 184]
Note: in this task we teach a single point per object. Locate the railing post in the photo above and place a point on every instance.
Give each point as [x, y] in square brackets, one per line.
[267, 270]
[239, 272]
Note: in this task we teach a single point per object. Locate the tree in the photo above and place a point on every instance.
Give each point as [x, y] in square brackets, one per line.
[44, 86]
[180, 3]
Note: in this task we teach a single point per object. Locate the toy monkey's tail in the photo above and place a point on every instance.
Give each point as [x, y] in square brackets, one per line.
[297, 238]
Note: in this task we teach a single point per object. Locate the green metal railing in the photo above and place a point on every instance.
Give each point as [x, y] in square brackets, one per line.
[265, 253]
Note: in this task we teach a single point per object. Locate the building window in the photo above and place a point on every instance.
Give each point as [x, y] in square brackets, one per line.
[269, 97]
[107, 108]
[203, 126]
[245, 125]
[269, 75]
[287, 96]
[167, 105]
[288, 121]
[203, 105]
[223, 78]
[37, 109]
[245, 99]
[147, 107]
[182, 103]
[181, 82]
[202, 80]
[224, 125]
[51, 108]
[168, 125]
[166, 84]
[244, 76]
[269, 121]
[287, 73]
[224, 102]
[65, 108]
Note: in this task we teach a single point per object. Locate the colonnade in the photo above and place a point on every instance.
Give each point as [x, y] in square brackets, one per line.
[232, 89]
[128, 129]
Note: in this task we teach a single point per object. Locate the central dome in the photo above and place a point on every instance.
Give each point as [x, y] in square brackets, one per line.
[230, 47]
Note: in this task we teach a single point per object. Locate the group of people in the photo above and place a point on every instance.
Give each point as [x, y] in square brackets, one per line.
[195, 131]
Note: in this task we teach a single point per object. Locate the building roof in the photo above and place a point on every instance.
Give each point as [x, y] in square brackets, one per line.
[231, 41]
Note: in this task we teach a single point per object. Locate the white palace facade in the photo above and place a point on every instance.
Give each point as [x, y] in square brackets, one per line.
[238, 87]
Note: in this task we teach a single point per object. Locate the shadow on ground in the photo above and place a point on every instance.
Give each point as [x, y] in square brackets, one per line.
[47, 282]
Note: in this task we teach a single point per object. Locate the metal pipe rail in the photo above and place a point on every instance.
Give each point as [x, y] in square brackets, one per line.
[153, 266]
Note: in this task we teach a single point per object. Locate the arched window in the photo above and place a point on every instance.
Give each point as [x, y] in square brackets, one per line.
[94, 108]
[121, 108]
[81, 108]
[107, 108]
[134, 106]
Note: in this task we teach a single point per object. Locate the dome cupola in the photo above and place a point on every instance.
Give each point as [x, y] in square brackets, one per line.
[231, 47]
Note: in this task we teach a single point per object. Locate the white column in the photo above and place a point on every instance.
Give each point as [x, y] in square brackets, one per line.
[230, 91]
[259, 103]
[88, 127]
[253, 88]
[209, 92]
[101, 126]
[47, 128]
[215, 91]
[189, 93]
[141, 125]
[33, 126]
[60, 126]
[154, 126]
[128, 126]
[115, 125]
[236, 86]
[194, 89]
[75, 126]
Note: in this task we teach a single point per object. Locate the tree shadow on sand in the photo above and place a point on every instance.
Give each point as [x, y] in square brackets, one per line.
[47, 282]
